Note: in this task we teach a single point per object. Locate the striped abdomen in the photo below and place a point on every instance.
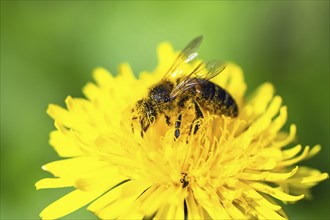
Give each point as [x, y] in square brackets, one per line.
[215, 99]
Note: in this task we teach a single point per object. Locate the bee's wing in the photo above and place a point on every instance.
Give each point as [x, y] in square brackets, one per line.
[204, 71]
[185, 56]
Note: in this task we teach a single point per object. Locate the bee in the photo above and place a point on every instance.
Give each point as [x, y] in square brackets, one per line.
[173, 95]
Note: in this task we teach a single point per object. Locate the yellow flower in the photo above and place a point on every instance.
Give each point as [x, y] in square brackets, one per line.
[232, 168]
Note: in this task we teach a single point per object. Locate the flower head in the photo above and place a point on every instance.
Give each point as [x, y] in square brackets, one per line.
[230, 168]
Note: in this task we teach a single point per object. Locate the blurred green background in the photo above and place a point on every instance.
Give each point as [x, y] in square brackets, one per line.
[48, 50]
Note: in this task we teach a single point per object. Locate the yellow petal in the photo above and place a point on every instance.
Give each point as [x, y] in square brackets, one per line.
[105, 199]
[275, 192]
[279, 121]
[315, 150]
[152, 200]
[234, 212]
[259, 125]
[166, 56]
[61, 115]
[91, 182]
[64, 144]
[132, 213]
[268, 214]
[272, 131]
[268, 176]
[163, 212]
[313, 180]
[274, 106]
[53, 183]
[125, 70]
[285, 139]
[252, 195]
[91, 91]
[236, 85]
[86, 116]
[262, 163]
[210, 202]
[307, 177]
[69, 203]
[170, 212]
[194, 210]
[103, 77]
[261, 98]
[291, 152]
[229, 194]
[126, 189]
[116, 208]
[74, 167]
[178, 211]
[134, 187]
[304, 155]
[263, 123]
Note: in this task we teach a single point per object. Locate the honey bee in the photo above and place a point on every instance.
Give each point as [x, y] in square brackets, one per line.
[170, 96]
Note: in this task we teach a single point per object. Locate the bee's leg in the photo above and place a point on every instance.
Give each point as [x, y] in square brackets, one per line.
[181, 104]
[132, 126]
[144, 128]
[168, 120]
[177, 126]
[133, 119]
[198, 115]
[144, 122]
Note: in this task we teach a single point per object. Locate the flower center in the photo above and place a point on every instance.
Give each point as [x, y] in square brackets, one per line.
[184, 180]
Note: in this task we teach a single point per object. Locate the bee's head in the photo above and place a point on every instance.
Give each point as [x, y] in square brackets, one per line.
[161, 92]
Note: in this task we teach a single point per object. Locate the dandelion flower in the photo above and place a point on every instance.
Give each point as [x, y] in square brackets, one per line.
[231, 168]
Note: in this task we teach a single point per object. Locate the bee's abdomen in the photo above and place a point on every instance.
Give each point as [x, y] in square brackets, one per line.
[215, 99]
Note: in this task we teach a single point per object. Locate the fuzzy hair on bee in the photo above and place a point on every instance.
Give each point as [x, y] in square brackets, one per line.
[174, 95]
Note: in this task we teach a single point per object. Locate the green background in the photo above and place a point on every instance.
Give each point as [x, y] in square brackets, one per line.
[48, 50]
